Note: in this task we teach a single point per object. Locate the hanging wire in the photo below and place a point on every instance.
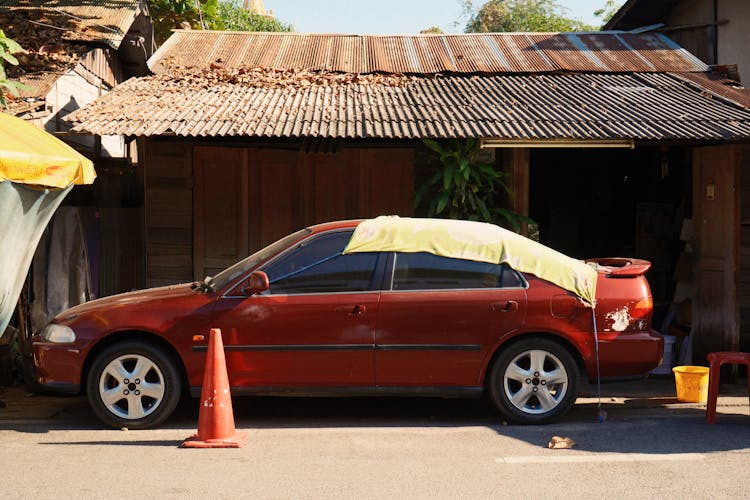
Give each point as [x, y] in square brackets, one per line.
[50, 25]
[601, 415]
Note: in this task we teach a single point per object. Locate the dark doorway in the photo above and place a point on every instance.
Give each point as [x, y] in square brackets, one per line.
[614, 202]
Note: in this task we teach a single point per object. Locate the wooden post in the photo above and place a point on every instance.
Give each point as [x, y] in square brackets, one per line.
[515, 164]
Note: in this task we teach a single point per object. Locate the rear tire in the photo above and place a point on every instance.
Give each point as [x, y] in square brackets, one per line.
[133, 384]
[534, 381]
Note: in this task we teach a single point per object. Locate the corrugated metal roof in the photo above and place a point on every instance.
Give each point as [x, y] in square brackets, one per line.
[716, 83]
[639, 106]
[105, 22]
[429, 54]
[52, 34]
[92, 65]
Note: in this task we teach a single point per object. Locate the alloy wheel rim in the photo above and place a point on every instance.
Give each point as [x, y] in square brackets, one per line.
[535, 382]
[131, 386]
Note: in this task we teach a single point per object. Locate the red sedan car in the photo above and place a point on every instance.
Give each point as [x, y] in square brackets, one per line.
[308, 315]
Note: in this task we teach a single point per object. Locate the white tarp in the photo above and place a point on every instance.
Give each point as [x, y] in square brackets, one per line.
[61, 277]
[24, 213]
[475, 241]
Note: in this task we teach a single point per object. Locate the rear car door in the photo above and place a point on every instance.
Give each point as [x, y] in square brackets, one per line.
[313, 327]
[440, 318]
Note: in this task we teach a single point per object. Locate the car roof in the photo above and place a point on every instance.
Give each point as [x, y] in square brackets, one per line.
[339, 224]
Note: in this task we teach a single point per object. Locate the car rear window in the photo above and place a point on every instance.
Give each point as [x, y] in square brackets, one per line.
[426, 271]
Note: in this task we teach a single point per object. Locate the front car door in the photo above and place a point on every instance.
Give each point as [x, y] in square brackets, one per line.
[440, 319]
[313, 328]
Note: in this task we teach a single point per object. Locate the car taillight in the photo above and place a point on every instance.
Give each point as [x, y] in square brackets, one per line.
[642, 310]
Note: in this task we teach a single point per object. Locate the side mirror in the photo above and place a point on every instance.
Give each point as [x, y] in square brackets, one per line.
[257, 282]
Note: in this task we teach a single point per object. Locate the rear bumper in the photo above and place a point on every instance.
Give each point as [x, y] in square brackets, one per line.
[629, 354]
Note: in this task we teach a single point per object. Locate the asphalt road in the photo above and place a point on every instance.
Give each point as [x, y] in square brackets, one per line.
[380, 448]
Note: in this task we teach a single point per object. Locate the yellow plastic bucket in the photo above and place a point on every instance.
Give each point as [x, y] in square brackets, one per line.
[692, 383]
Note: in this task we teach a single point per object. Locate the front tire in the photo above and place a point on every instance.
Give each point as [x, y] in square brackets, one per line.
[534, 381]
[133, 384]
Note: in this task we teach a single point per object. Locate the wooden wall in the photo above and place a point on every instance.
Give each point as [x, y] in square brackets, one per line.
[691, 25]
[743, 279]
[168, 179]
[716, 185]
[695, 33]
[722, 307]
[208, 206]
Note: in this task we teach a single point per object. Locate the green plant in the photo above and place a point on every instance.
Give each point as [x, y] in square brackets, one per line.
[463, 187]
[209, 14]
[170, 14]
[237, 18]
[7, 48]
[608, 11]
[520, 15]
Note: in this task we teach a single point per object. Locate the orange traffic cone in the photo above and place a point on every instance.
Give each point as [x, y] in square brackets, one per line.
[215, 418]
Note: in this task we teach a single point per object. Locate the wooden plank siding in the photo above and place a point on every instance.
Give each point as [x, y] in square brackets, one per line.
[120, 250]
[220, 208]
[208, 206]
[716, 180]
[743, 279]
[169, 212]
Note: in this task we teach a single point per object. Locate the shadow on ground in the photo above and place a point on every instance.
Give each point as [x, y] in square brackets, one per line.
[639, 420]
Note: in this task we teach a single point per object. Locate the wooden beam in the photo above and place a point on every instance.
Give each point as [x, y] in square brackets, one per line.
[684, 27]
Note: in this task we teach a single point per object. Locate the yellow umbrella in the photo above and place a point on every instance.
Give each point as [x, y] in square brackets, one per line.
[29, 155]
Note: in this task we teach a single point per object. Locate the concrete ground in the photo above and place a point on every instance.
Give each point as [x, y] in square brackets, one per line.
[650, 446]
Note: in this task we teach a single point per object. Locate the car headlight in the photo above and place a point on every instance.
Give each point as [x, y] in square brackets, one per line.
[59, 334]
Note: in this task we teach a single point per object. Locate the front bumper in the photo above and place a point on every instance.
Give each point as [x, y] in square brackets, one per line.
[58, 367]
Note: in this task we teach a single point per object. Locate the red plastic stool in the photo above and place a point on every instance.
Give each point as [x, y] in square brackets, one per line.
[716, 359]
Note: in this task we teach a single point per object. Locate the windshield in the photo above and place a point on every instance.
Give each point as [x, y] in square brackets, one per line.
[231, 273]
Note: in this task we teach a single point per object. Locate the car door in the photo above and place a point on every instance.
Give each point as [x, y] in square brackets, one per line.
[313, 327]
[440, 318]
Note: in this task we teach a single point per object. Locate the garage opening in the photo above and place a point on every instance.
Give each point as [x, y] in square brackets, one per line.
[607, 203]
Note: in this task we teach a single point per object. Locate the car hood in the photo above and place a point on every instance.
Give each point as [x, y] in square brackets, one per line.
[128, 298]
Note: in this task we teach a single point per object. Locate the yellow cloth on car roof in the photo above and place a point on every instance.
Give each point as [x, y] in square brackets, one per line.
[477, 241]
[30, 155]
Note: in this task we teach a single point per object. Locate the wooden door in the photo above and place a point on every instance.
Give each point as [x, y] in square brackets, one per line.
[220, 209]
[715, 308]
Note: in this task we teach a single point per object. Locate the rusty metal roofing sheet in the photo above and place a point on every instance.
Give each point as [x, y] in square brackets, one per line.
[605, 52]
[639, 106]
[712, 82]
[92, 66]
[106, 22]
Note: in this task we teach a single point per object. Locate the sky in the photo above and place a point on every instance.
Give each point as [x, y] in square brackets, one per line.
[388, 17]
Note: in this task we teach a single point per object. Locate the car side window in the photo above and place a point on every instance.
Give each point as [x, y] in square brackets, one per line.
[318, 266]
[426, 271]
